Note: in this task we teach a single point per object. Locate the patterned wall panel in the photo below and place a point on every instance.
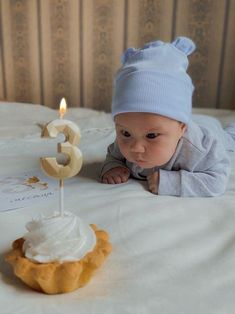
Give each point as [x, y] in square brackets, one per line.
[21, 51]
[103, 43]
[60, 51]
[2, 96]
[2, 84]
[148, 20]
[203, 21]
[71, 48]
[227, 79]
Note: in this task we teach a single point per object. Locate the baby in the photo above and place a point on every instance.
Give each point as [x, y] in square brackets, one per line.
[156, 138]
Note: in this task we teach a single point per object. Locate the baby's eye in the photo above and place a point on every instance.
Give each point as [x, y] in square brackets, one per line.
[125, 133]
[151, 135]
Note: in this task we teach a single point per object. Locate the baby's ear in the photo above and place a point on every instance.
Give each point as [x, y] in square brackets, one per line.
[184, 44]
[183, 127]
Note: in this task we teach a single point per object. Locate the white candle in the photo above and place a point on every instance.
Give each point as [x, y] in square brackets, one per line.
[69, 147]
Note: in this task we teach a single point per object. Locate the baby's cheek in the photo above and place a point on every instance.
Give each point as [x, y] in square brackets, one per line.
[124, 148]
[159, 155]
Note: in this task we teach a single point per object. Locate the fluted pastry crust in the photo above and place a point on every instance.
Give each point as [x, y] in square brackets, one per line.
[55, 277]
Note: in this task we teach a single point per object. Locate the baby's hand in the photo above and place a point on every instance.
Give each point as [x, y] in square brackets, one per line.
[153, 182]
[116, 175]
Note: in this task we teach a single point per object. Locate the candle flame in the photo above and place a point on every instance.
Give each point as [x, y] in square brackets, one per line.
[63, 107]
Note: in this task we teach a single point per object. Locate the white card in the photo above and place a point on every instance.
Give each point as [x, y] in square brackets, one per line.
[26, 189]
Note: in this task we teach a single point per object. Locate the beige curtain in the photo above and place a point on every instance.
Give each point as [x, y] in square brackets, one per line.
[51, 49]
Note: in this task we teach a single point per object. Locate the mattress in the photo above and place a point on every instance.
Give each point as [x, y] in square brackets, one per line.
[170, 254]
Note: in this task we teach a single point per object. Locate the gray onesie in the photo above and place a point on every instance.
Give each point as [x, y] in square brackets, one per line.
[200, 165]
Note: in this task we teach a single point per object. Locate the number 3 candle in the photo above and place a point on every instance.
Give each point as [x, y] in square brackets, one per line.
[74, 156]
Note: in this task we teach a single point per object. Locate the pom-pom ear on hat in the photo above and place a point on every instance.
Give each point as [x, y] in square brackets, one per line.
[184, 44]
[127, 54]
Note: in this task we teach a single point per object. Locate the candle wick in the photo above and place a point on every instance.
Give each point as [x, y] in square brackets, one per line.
[61, 197]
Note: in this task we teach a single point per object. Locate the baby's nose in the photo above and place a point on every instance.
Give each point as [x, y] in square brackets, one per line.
[137, 147]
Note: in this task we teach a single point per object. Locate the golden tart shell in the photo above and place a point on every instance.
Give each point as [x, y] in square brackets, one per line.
[55, 277]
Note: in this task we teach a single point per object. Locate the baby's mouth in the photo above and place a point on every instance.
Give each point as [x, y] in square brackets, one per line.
[140, 161]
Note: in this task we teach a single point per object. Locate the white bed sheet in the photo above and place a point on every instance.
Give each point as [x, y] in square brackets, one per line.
[170, 255]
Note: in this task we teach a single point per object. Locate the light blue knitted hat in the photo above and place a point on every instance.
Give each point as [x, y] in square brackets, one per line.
[154, 79]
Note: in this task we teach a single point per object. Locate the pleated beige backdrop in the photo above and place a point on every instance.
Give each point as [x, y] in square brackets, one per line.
[51, 49]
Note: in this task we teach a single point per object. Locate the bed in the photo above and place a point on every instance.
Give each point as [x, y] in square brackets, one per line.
[170, 255]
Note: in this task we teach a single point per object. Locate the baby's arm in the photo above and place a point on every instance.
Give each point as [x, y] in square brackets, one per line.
[114, 169]
[209, 176]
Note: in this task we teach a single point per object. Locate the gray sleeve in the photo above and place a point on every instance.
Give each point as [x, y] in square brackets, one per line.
[113, 159]
[208, 178]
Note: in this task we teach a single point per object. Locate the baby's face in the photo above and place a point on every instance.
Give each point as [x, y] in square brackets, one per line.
[147, 139]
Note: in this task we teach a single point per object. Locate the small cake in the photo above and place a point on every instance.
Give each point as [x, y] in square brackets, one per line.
[58, 254]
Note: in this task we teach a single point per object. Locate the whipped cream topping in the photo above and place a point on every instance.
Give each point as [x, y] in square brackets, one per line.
[58, 238]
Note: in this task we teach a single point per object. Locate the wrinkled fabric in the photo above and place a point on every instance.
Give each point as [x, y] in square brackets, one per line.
[170, 255]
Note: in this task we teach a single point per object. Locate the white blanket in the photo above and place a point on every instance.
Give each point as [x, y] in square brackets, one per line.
[170, 255]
